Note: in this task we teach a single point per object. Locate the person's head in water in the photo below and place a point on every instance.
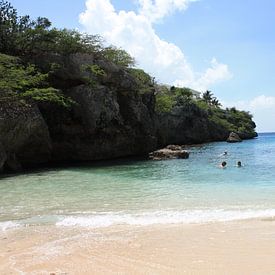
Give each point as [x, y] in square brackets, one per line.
[225, 153]
[239, 164]
[223, 165]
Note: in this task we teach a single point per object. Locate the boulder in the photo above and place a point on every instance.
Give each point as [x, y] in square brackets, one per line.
[175, 147]
[170, 152]
[233, 137]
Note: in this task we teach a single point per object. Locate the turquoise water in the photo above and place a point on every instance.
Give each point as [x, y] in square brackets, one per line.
[148, 192]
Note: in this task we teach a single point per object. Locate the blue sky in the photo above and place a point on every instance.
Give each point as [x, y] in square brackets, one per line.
[225, 46]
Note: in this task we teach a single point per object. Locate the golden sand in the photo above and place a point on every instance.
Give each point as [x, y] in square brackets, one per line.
[246, 247]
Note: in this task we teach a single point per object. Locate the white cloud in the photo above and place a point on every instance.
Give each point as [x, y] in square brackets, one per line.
[157, 9]
[262, 102]
[263, 109]
[217, 72]
[134, 32]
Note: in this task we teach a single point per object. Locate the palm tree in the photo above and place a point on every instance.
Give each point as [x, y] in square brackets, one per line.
[207, 97]
[215, 102]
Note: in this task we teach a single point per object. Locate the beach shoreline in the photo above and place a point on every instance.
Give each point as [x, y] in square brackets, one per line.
[236, 247]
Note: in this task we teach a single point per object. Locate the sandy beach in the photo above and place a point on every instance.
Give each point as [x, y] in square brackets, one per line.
[246, 247]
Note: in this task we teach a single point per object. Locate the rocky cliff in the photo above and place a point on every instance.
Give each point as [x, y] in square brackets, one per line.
[110, 118]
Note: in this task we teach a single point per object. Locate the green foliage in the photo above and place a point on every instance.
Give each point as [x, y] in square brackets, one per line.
[94, 70]
[210, 99]
[71, 41]
[15, 77]
[118, 56]
[181, 92]
[202, 105]
[48, 95]
[233, 120]
[167, 98]
[145, 81]
[22, 36]
[182, 96]
[24, 81]
[164, 103]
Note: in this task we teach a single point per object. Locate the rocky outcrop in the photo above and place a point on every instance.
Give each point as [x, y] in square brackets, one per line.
[111, 119]
[187, 124]
[24, 136]
[170, 152]
[3, 157]
[234, 137]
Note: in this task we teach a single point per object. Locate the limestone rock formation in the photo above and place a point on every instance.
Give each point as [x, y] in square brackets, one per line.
[111, 118]
[24, 136]
[170, 152]
[3, 157]
[234, 137]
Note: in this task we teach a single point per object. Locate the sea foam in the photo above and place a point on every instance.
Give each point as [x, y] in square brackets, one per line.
[164, 217]
[8, 225]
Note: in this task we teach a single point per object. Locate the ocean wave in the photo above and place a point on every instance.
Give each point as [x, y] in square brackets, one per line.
[8, 225]
[142, 219]
[164, 217]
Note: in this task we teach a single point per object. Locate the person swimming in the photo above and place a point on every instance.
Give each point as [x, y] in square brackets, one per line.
[239, 164]
[225, 153]
[223, 164]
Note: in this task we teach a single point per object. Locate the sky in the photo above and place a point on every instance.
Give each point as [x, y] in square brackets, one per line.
[224, 46]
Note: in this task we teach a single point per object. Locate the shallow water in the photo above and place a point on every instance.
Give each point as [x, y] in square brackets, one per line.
[148, 192]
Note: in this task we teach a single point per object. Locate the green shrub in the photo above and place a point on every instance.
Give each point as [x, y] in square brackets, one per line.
[48, 95]
[164, 103]
[25, 81]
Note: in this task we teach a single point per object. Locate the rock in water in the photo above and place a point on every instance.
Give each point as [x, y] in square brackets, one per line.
[233, 137]
[170, 152]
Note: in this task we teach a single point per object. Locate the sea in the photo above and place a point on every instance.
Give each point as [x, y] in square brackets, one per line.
[145, 192]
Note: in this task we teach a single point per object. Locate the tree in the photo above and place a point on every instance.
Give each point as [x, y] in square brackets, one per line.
[207, 97]
[215, 102]
[19, 35]
[8, 24]
[118, 56]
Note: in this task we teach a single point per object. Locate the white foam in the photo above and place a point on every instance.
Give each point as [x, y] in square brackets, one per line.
[8, 225]
[164, 217]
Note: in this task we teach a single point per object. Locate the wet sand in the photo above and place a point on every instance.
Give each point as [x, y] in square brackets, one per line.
[246, 247]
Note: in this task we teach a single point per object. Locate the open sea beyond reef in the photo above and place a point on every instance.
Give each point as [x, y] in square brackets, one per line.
[143, 192]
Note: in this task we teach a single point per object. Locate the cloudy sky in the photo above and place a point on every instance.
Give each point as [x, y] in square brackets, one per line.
[225, 46]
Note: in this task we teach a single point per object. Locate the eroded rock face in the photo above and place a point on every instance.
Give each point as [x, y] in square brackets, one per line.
[23, 134]
[187, 125]
[111, 118]
[234, 137]
[105, 123]
[3, 157]
[170, 152]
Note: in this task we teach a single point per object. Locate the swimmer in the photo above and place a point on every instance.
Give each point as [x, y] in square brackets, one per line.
[239, 164]
[223, 164]
[223, 154]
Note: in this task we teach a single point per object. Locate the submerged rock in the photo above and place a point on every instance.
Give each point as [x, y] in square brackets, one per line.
[170, 152]
[233, 137]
